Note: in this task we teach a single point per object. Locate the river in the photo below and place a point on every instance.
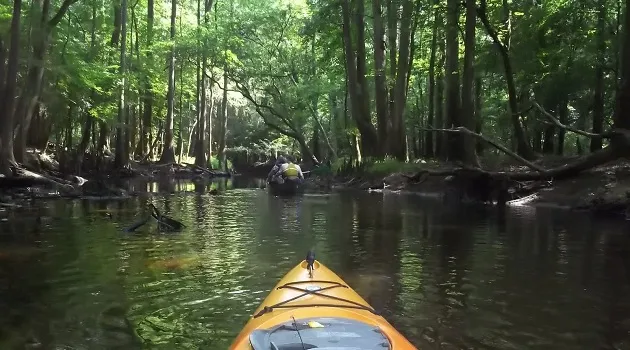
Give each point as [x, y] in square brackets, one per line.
[447, 278]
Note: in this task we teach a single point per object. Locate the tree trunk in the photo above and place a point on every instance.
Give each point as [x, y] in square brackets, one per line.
[380, 79]
[522, 146]
[358, 97]
[598, 98]
[398, 147]
[153, 148]
[30, 95]
[102, 146]
[428, 137]
[548, 134]
[369, 146]
[147, 111]
[122, 153]
[563, 114]
[392, 40]
[223, 122]
[132, 109]
[478, 116]
[83, 144]
[3, 60]
[40, 129]
[200, 151]
[40, 37]
[168, 153]
[453, 103]
[207, 118]
[180, 129]
[8, 89]
[334, 121]
[69, 127]
[621, 118]
[440, 139]
[582, 125]
[468, 149]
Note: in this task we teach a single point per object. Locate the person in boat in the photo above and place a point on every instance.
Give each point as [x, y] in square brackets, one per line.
[285, 170]
[274, 171]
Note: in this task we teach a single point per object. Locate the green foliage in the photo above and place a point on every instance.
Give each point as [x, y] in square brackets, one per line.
[214, 163]
[287, 57]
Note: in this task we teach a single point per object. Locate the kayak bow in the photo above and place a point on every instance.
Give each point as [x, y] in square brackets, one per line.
[313, 308]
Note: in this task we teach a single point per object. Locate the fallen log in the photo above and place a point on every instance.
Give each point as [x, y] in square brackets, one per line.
[12, 182]
[48, 179]
[200, 169]
[463, 130]
[620, 143]
[208, 171]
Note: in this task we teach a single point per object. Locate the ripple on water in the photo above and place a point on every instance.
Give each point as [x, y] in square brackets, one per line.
[445, 277]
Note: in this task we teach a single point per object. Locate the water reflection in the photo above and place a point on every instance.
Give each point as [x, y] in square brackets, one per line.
[198, 185]
[464, 277]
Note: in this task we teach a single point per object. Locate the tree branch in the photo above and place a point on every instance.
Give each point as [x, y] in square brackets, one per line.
[321, 127]
[259, 106]
[589, 161]
[463, 130]
[483, 17]
[60, 13]
[557, 123]
[214, 81]
[245, 92]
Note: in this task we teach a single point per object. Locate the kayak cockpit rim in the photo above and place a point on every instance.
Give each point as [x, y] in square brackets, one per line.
[320, 333]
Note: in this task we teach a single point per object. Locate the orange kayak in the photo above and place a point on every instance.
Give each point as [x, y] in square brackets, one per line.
[313, 308]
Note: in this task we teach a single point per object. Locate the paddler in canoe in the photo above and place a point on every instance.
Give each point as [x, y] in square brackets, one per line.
[313, 308]
[285, 176]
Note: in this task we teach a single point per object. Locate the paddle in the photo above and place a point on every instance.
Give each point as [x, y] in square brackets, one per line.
[164, 222]
[137, 225]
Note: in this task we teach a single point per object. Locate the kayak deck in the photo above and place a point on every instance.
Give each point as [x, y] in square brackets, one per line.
[319, 310]
[319, 333]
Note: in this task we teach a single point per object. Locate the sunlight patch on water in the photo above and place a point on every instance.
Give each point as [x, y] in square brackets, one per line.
[458, 278]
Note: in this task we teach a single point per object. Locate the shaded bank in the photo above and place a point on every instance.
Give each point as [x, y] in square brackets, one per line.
[43, 176]
[603, 190]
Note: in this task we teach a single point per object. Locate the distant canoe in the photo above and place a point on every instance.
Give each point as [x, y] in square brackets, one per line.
[287, 188]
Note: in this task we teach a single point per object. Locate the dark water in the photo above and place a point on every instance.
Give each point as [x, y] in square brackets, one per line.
[458, 278]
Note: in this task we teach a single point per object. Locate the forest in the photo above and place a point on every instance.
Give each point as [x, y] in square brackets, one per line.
[104, 84]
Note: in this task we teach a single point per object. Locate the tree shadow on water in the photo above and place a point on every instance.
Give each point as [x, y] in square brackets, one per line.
[617, 275]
